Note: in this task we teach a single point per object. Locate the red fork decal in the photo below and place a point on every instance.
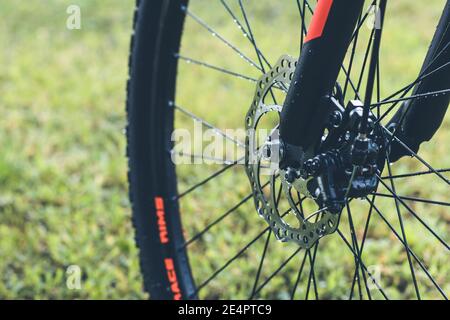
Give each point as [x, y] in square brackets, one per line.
[319, 20]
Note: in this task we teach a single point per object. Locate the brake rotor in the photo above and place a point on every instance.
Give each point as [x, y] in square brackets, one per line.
[264, 159]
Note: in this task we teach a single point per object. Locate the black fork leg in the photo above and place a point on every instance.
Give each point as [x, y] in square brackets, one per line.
[418, 120]
[318, 67]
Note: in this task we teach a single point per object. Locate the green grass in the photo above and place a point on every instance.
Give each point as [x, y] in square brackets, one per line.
[63, 188]
[63, 196]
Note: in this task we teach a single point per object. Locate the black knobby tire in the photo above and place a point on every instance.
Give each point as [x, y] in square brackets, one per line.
[157, 30]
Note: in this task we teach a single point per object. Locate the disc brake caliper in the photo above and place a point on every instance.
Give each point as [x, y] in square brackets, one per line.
[348, 163]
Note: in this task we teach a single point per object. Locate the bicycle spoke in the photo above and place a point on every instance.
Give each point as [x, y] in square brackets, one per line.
[425, 73]
[304, 30]
[315, 214]
[266, 245]
[425, 270]
[378, 80]
[208, 179]
[236, 256]
[244, 32]
[281, 267]
[415, 174]
[218, 161]
[207, 125]
[413, 97]
[306, 5]
[252, 37]
[219, 219]
[300, 271]
[210, 66]
[355, 90]
[362, 264]
[258, 273]
[366, 58]
[374, 64]
[439, 203]
[361, 21]
[403, 233]
[414, 214]
[347, 73]
[350, 64]
[404, 92]
[312, 276]
[255, 46]
[356, 249]
[375, 54]
[403, 97]
[363, 242]
[415, 155]
[217, 35]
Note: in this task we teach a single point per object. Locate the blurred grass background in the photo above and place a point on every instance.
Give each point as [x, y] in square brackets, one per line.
[63, 188]
[63, 197]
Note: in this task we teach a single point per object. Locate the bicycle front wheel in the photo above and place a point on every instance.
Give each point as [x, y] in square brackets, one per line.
[193, 74]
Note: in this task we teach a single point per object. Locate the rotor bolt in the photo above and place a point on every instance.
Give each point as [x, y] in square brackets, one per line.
[291, 175]
[267, 152]
[312, 166]
[336, 119]
[317, 192]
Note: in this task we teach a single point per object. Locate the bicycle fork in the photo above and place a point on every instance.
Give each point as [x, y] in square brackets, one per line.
[329, 35]
[307, 105]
